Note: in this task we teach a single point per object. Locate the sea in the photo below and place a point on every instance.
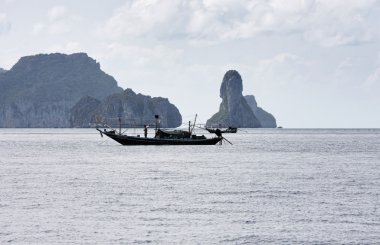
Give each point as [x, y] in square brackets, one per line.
[272, 186]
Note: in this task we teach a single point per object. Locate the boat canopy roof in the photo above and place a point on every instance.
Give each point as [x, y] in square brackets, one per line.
[174, 134]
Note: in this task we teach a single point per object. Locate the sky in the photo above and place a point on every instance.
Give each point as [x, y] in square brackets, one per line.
[311, 63]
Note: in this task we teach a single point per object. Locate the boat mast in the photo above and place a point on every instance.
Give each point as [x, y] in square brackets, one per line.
[120, 125]
[157, 122]
[195, 119]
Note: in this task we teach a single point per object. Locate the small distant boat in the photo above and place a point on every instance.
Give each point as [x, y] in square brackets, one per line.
[223, 131]
[162, 137]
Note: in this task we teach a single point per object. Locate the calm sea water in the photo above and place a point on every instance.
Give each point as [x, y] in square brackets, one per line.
[279, 186]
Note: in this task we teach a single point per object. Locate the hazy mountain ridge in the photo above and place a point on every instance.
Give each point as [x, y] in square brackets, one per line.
[57, 77]
[134, 109]
[41, 90]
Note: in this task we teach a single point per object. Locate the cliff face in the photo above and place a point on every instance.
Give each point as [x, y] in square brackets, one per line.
[40, 90]
[237, 110]
[266, 119]
[134, 110]
[81, 115]
[2, 70]
[234, 110]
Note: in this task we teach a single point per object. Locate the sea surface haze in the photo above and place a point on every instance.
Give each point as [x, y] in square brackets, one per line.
[279, 186]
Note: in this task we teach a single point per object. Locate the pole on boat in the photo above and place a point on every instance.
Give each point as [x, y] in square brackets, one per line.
[189, 127]
[120, 125]
[227, 140]
[145, 131]
[195, 119]
[157, 121]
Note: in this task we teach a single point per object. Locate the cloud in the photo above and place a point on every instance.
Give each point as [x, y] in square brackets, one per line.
[59, 22]
[373, 79]
[328, 23]
[344, 65]
[38, 28]
[144, 56]
[57, 13]
[5, 25]
[338, 23]
[280, 60]
[60, 27]
[139, 17]
[69, 47]
[372, 83]
[282, 73]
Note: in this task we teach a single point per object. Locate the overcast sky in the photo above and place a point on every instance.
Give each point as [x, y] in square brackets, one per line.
[311, 63]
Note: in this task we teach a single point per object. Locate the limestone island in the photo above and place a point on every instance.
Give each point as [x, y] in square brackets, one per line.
[237, 110]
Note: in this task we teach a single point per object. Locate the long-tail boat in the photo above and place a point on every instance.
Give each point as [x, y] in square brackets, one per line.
[162, 137]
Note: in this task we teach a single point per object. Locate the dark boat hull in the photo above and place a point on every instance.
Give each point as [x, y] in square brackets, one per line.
[224, 131]
[132, 140]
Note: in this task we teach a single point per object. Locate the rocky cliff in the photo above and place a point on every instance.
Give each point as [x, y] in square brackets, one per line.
[40, 90]
[266, 119]
[2, 70]
[134, 110]
[237, 110]
[84, 111]
[234, 110]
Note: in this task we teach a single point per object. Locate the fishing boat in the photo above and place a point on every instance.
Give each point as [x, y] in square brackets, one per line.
[162, 137]
[227, 130]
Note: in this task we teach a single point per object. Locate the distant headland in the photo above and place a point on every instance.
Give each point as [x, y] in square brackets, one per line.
[60, 91]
